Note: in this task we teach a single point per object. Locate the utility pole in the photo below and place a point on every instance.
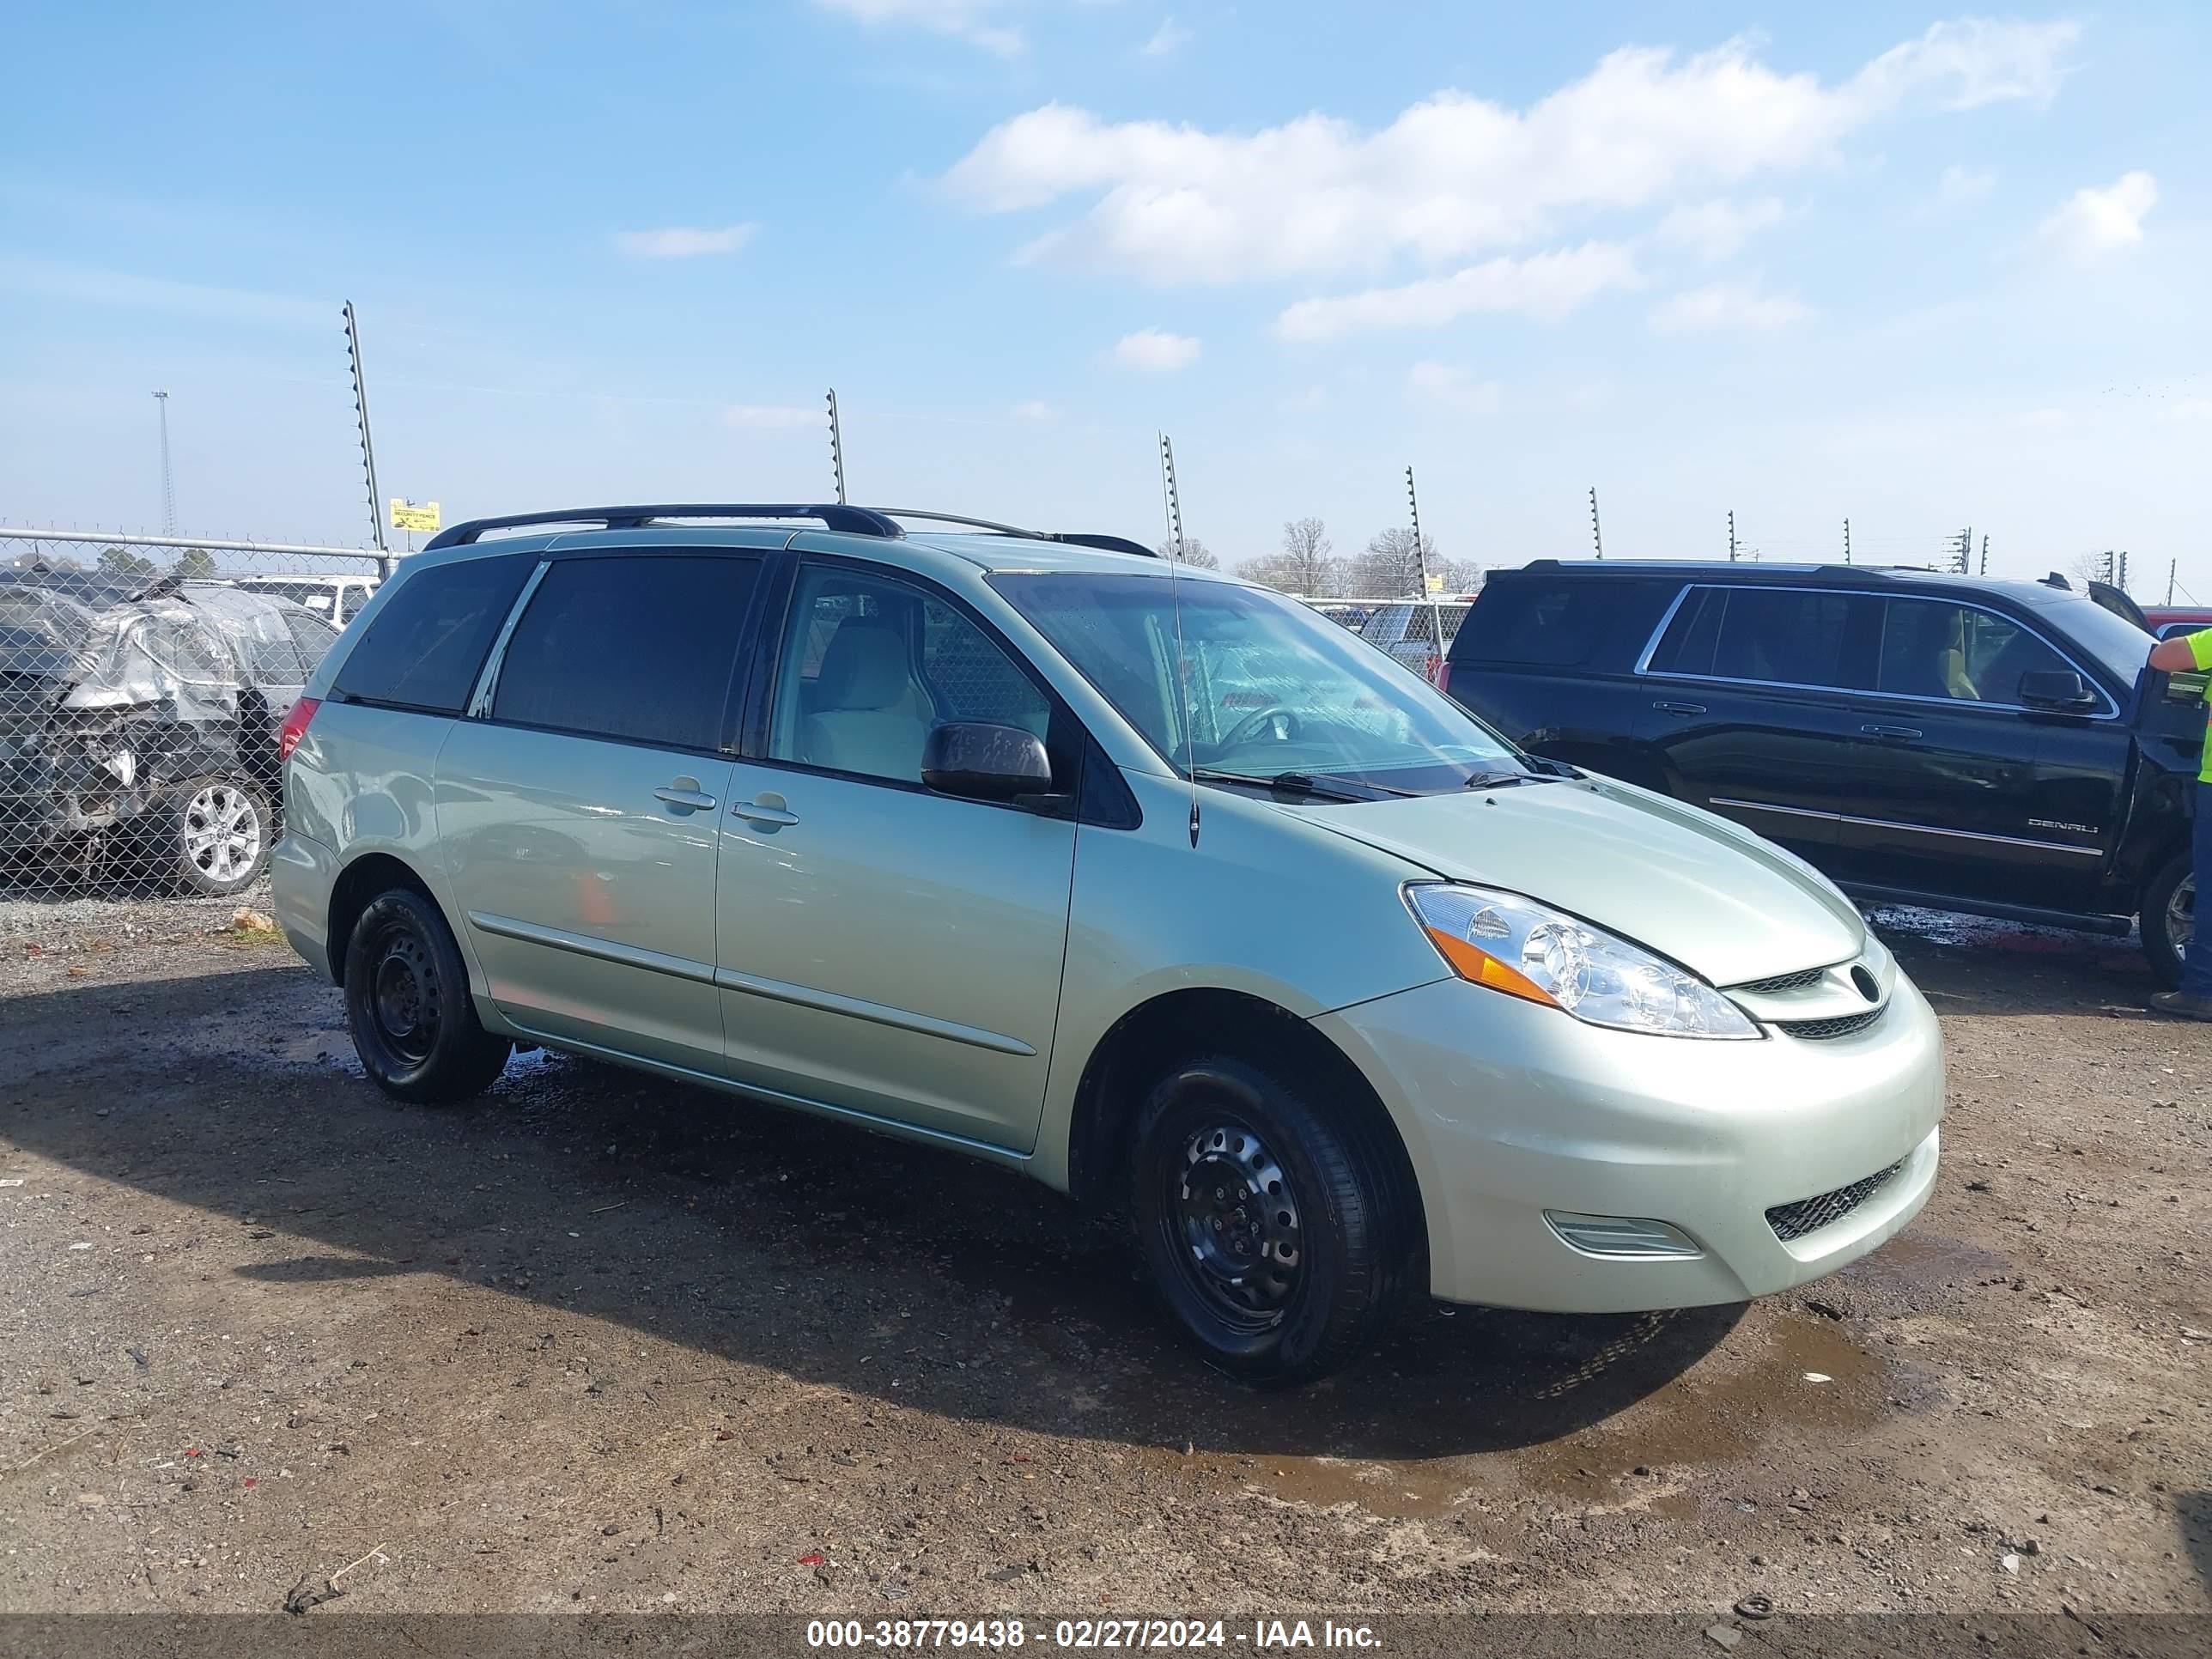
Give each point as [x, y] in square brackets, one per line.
[168, 490]
[1731, 535]
[1597, 535]
[1847, 541]
[367, 448]
[836, 447]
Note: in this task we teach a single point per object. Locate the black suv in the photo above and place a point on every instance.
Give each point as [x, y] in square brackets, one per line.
[1995, 747]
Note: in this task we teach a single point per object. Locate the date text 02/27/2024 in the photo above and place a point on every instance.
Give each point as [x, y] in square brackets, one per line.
[1264, 1635]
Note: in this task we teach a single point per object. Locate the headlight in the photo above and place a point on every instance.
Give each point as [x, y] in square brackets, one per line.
[1528, 949]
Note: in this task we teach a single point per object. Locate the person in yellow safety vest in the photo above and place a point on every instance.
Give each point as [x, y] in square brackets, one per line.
[2187, 653]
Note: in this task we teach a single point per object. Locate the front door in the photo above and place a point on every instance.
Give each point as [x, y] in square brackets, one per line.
[1958, 783]
[577, 814]
[885, 950]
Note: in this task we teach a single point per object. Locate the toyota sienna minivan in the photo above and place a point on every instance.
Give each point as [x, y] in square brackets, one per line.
[1150, 884]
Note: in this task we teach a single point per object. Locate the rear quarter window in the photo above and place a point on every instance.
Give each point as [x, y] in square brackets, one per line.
[1570, 623]
[426, 646]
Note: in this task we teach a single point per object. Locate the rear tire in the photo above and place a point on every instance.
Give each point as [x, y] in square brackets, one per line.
[216, 834]
[2169, 906]
[407, 1001]
[1274, 1229]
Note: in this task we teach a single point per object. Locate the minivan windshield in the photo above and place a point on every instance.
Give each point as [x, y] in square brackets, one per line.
[1273, 693]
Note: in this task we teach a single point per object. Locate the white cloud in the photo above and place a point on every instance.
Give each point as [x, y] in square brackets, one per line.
[1036, 409]
[976, 21]
[1733, 306]
[771, 417]
[2094, 221]
[683, 241]
[1455, 175]
[1960, 184]
[1155, 351]
[1717, 229]
[1545, 285]
[1453, 387]
[1169, 38]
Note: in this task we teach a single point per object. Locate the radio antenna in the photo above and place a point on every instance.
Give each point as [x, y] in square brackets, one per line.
[1173, 498]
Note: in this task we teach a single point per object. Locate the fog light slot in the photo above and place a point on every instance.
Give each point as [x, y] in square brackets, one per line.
[1621, 1236]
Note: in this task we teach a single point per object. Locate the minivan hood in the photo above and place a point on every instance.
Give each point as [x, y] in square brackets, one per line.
[1694, 887]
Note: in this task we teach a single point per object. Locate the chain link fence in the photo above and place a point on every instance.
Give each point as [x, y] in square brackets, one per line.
[144, 684]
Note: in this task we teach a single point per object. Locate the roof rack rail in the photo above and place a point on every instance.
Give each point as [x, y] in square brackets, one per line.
[1070, 538]
[853, 520]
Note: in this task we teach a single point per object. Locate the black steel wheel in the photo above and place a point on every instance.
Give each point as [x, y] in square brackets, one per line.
[1275, 1229]
[407, 1004]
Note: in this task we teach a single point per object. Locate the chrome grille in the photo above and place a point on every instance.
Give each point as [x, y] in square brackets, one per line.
[1780, 982]
[1818, 1031]
[1809, 1215]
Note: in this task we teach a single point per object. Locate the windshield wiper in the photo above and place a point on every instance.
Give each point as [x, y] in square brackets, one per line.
[1296, 783]
[1507, 780]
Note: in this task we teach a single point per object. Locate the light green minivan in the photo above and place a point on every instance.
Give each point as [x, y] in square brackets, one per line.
[1152, 884]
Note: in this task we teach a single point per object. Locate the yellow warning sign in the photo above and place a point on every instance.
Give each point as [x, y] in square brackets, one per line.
[414, 515]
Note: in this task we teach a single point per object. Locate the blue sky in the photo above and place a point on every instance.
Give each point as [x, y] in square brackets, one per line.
[1914, 266]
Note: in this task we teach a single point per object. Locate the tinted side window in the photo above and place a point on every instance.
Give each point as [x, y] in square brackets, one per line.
[637, 648]
[1933, 649]
[1784, 635]
[425, 648]
[1547, 624]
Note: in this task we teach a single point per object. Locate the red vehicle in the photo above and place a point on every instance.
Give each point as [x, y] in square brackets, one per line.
[2165, 621]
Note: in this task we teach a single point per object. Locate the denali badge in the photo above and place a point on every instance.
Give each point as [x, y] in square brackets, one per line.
[2055, 823]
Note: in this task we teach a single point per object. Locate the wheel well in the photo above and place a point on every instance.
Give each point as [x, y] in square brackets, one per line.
[357, 886]
[1148, 1039]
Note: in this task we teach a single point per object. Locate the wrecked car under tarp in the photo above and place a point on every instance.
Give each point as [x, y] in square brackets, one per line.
[121, 703]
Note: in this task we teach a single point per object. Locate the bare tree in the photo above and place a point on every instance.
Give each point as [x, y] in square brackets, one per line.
[1196, 553]
[1459, 575]
[1305, 566]
[2089, 566]
[1390, 568]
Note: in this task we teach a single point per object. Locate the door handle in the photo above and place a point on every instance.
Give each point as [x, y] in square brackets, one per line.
[755, 811]
[685, 793]
[1903, 734]
[1679, 707]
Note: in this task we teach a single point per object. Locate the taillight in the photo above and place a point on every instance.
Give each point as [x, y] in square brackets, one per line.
[295, 726]
[1444, 677]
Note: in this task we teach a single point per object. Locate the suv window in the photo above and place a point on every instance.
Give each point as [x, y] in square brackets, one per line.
[1782, 635]
[870, 665]
[638, 648]
[425, 648]
[1931, 648]
[1547, 624]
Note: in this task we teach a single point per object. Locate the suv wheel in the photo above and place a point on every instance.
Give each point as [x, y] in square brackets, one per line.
[2169, 918]
[407, 1002]
[217, 834]
[1266, 1224]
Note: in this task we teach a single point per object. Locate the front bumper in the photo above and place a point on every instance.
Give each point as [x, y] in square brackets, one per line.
[1509, 1110]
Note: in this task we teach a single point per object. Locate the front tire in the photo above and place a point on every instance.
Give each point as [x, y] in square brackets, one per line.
[2169, 918]
[408, 1005]
[1268, 1223]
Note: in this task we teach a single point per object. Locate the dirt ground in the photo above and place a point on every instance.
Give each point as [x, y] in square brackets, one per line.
[606, 1343]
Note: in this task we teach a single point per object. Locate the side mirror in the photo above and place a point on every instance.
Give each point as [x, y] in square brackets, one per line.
[2057, 689]
[977, 760]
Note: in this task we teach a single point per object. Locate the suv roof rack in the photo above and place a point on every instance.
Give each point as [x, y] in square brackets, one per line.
[881, 521]
[853, 520]
[1070, 538]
